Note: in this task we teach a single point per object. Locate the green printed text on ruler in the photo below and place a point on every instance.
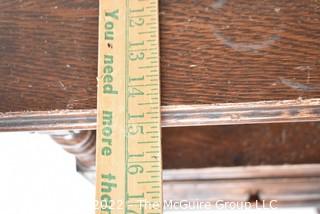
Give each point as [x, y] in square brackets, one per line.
[128, 132]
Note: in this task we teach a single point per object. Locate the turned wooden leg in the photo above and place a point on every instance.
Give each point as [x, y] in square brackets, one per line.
[82, 144]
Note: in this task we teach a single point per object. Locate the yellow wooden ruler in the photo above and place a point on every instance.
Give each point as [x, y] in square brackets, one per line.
[128, 133]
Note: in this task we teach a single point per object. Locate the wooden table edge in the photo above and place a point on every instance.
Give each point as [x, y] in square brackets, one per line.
[284, 111]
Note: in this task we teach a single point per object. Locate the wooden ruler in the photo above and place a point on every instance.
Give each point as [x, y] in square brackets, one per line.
[128, 133]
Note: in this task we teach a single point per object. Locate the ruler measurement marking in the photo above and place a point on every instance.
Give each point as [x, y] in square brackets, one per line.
[141, 16]
[151, 84]
[126, 106]
[149, 66]
[151, 112]
[147, 161]
[142, 104]
[152, 192]
[143, 123]
[151, 132]
[137, 103]
[152, 57]
[147, 32]
[146, 142]
[147, 182]
[151, 152]
[138, 50]
[151, 23]
[142, 50]
[153, 171]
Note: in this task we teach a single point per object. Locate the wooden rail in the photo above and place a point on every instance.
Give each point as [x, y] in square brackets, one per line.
[286, 185]
[173, 116]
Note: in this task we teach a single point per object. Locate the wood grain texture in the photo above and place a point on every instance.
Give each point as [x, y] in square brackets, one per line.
[212, 51]
[173, 116]
[222, 146]
[294, 185]
[233, 51]
[241, 113]
[48, 54]
[238, 145]
[243, 172]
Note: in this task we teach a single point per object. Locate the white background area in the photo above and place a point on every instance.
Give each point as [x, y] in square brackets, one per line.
[38, 176]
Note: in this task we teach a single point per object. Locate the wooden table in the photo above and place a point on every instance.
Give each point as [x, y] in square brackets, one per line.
[223, 62]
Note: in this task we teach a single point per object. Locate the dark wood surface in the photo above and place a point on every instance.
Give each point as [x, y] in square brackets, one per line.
[173, 116]
[48, 54]
[290, 185]
[221, 146]
[225, 146]
[212, 51]
[294, 185]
